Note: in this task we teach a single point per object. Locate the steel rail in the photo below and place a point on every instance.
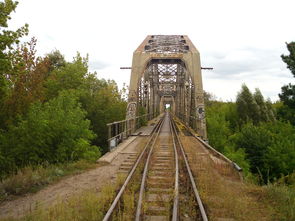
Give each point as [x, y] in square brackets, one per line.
[176, 185]
[193, 183]
[120, 193]
[142, 185]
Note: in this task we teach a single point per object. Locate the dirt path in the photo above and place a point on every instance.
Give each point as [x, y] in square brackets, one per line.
[69, 186]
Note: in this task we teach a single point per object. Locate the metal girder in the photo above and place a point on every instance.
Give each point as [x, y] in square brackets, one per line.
[168, 66]
[167, 44]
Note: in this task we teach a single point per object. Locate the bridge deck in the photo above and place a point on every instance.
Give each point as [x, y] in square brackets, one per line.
[147, 130]
[129, 145]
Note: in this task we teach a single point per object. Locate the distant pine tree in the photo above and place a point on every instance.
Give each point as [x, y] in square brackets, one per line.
[266, 110]
[270, 109]
[287, 96]
[290, 59]
[247, 108]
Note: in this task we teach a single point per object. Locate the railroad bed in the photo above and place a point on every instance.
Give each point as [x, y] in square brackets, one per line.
[159, 180]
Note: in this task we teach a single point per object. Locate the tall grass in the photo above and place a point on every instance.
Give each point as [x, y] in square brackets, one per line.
[127, 205]
[283, 199]
[223, 194]
[90, 205]
[31, 179]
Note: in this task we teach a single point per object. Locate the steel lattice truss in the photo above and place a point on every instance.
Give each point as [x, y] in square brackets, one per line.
[167, 44]
[165, 78]
[166, 71]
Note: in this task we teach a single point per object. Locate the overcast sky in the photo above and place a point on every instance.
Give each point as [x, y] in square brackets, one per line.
[241, 40]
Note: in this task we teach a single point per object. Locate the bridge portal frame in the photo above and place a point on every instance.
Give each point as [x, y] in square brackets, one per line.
[190, 56]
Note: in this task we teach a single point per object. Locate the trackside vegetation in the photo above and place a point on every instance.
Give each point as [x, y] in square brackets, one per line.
[257, 134]
[260, 136]
[52, 111]
[260, 142]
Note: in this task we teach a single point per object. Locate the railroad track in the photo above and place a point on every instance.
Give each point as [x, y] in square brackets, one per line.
[167, 187]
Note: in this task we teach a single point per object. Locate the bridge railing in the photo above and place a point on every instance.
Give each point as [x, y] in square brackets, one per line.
[121, 130]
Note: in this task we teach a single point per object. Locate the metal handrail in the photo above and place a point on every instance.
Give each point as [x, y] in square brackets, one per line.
[122, 131]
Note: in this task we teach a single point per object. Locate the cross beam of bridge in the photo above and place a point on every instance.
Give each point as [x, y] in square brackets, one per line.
[166, 70]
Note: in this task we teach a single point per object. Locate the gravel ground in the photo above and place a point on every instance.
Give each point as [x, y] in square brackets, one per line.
[69, 186]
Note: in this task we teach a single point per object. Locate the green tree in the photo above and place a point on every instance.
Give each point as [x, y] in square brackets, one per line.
[266, 112]
[239, 157]
[269, 147]
[100, 98]
[53, 132]
[259, 99]
[232, 116]
[217, 125]
[222, 125]
[270, 109]
[285, 113]
[287, 95]
[104, 104]
[27, 81]
[290, 59]
[255, 140]
[8, 39]
[281, 152]
[70, 76]
[247, 108]
[56, 60]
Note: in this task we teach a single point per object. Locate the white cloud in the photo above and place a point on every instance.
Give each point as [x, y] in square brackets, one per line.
[242, 40]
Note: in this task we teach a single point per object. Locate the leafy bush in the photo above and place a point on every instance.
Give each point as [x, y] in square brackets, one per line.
[269, 147]
[265, 149]
[239, 157]
[53, 132]
[103, 104]
[255, 141]
[217, 126]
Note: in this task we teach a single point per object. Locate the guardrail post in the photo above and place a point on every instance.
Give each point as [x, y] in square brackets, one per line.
[109, 136]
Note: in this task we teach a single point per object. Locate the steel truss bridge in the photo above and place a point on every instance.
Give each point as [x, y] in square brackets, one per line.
[166, 72]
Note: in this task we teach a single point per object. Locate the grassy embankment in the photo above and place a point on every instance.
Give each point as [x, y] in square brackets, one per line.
[224, 196]
[32, 179]
[240, 202]
[90, 204]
